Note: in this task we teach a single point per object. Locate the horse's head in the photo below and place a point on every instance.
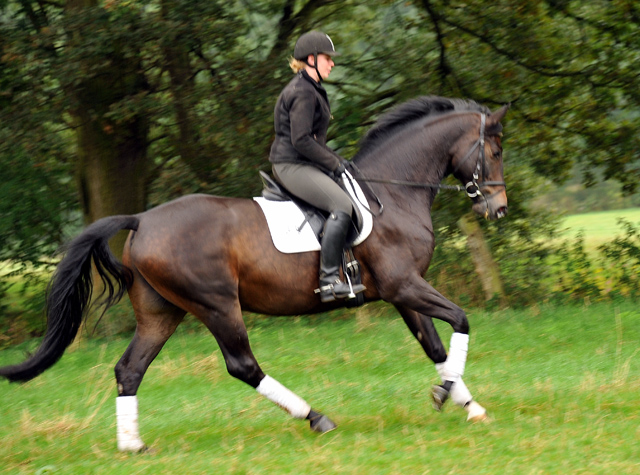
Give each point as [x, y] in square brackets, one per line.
[477, 163]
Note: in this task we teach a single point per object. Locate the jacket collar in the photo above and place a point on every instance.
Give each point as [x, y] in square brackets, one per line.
[316, 84]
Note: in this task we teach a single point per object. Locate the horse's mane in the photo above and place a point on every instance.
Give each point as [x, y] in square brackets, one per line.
[420, 108]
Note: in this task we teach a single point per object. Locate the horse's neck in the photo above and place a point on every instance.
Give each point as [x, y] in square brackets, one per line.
[421, 157]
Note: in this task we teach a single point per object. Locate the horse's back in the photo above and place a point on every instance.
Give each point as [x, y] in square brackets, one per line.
[203, 244]
[196, 209]
[193, 223]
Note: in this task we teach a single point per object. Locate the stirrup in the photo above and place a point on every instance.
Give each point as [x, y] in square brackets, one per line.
[328, 292]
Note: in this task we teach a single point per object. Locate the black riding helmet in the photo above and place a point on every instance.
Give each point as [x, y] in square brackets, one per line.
[315, 43]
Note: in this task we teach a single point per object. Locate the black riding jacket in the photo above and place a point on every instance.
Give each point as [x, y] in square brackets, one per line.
[301, 118]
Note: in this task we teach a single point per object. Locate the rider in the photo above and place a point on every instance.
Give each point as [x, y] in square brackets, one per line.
[304, 164]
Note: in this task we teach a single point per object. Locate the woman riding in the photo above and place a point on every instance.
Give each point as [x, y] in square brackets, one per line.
[304, 164]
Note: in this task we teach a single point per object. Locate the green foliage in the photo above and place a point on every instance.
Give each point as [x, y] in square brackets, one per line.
[35, 207]
[36, 214]
[576, 273]
[551, 269]
[574, 197]
[194, 83]
[623, 253]
[21, 308]
[213, 72]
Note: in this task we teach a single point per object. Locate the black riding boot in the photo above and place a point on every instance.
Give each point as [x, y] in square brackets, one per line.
[332, 245]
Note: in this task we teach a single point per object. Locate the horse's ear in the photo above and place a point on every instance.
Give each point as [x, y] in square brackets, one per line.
[494, 127]
[498, 115]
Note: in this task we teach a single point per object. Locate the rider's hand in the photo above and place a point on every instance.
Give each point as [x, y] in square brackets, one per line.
[336, 174]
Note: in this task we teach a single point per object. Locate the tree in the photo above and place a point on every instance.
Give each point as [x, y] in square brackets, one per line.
[145, 101]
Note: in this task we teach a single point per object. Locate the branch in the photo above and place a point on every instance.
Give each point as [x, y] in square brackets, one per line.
[543, 70]
[598, 25]
[444, 67]
[51, 3]
[289, 22]
[33, 17]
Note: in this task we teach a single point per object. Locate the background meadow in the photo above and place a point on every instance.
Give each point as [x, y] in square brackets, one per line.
[560, 385]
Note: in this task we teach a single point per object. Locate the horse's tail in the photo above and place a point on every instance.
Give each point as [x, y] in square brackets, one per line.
[70, 290]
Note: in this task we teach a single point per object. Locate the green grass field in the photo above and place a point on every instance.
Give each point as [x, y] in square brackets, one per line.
[561, 386]
[600, 227]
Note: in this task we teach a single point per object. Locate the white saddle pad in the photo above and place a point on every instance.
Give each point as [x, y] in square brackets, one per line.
[290, 232]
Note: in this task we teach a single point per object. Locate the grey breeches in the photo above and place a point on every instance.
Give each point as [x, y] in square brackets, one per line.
[313, 186]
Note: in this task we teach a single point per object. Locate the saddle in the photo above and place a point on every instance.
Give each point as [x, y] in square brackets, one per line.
[273, 191]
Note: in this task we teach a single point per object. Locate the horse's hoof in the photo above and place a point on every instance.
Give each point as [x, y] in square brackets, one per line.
[139, 449]
[322, 424]
[133, 446]
[479, 418]
[439, 396]
[476, 413]
[147, 450]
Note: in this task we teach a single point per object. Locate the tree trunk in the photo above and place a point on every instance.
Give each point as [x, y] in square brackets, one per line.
[112, 151]
[111, 170]
[203, 156]
[486, 267]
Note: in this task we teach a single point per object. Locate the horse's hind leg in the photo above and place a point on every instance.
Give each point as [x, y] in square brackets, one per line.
[157, 319]
[425, 332]
[227, 326]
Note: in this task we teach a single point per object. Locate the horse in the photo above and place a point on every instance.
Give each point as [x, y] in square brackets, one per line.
[213, 257]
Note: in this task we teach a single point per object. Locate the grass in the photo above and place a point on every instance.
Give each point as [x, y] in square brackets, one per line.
[561, 386]
[599, 227]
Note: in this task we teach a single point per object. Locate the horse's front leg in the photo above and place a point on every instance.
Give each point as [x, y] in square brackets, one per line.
[425, 332]
[414, 293]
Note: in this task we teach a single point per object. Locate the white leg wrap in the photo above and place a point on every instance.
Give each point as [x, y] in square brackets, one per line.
[460, 395]
[278, 394]
[127, 422]
[457, 357]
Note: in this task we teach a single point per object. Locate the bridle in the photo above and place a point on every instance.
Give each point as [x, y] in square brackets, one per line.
[472, 188]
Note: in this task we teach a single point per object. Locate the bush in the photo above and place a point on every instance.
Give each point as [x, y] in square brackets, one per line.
[534, 268]
[622, 256]
[543, 270]
[21, 309]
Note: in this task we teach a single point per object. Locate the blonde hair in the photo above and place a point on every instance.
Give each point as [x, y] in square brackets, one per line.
[296, 65]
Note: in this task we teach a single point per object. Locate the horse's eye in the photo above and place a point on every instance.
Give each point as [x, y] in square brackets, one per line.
[497, 155]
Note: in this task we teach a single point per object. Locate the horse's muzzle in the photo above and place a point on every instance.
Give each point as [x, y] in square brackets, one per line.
[492, 207]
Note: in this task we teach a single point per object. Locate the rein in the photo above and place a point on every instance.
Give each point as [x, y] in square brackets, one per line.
[468, 188]
[411, 183]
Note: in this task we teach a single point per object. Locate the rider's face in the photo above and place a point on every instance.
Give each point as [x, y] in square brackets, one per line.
[325, 64]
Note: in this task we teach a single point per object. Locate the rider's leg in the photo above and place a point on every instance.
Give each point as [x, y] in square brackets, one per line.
[318, 189]
[332, 245]
[313, 186]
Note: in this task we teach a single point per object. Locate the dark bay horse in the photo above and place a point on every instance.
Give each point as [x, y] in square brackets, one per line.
[213, 257]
